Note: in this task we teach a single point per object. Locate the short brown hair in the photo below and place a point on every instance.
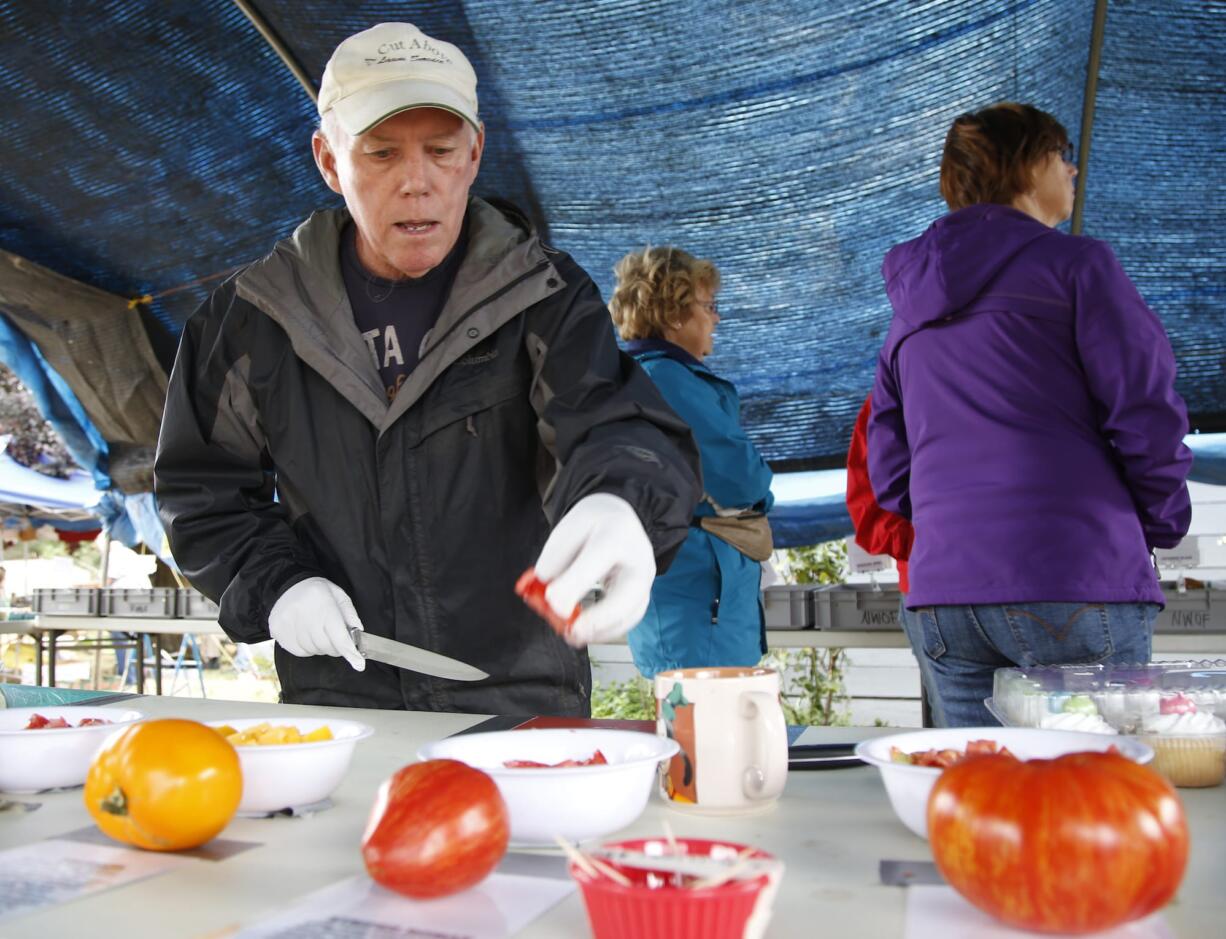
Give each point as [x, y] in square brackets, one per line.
[991, 155]
[655, 289]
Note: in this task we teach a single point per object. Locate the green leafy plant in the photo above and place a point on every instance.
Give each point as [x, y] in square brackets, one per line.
[632, 700]
[812, 685]
[824, 563]
[814, 689]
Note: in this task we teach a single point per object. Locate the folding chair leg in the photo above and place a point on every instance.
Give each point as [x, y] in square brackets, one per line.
[191, 638]
[188, 643]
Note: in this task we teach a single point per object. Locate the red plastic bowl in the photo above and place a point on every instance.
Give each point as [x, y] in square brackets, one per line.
[662, 911]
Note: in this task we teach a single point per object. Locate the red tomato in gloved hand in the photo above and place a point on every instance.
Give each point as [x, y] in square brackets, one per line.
[436, 828]
[1072, 845]
[531, 590]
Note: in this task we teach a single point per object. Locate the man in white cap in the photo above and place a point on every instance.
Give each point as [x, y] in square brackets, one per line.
[383, 422]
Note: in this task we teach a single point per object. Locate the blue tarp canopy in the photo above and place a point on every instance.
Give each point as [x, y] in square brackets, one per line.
[44, 500]
[152, 147]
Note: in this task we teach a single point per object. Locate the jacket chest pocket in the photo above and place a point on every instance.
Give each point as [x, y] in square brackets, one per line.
[474, 385]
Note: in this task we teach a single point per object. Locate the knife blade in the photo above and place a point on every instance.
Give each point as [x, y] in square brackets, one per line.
[403, 655]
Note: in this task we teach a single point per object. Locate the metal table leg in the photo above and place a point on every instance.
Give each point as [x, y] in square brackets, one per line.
[37, 635]
[52, 634]
[138, 658]
[157, 662]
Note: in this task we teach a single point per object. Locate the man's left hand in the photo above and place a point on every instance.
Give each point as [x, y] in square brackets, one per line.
[600, 541]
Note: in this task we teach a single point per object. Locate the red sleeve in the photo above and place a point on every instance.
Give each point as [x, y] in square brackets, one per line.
[877, 531]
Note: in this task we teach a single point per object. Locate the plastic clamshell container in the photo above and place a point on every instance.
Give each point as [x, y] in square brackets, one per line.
[1177, 708]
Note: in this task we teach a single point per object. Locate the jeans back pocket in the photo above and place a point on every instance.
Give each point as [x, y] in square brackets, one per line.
[1060, 633]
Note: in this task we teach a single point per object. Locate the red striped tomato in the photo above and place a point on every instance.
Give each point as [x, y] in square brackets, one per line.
[1072, 845]
[436, 828]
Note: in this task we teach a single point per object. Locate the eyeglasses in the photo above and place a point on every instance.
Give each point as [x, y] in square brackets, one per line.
[711, 306]
[1068, 154]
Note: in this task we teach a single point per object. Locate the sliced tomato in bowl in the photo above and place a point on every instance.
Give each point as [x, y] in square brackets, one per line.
[38, 722]
[596, 759]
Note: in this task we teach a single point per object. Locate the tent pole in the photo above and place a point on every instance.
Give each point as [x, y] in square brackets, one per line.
[1087, 111]
[277, 46]
[106, 559]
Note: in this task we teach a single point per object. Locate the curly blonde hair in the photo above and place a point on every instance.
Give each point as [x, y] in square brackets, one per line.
[655, 290]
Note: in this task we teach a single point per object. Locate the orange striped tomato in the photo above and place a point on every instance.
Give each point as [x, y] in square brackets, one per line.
[1076, 844]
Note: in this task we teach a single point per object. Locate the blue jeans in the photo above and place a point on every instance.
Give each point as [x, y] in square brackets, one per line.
[959, 648]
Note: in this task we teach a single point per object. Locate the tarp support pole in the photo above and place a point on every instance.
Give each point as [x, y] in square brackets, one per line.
[105, 570]
[1087, 111]
[277, 46]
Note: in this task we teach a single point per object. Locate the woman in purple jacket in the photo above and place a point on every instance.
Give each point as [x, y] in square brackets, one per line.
[1024, 418]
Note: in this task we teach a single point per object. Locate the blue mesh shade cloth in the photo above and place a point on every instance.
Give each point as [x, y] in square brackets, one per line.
[791, 142]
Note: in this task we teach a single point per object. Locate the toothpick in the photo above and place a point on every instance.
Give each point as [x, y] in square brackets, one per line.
[673, 848]
[578, 857]
[722, 877]
[611, 872]
[671, 838]
[591, 866]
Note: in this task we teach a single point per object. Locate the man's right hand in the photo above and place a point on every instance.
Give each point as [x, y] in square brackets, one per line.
[313, 618]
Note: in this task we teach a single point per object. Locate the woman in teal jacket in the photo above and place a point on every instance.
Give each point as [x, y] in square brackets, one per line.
[706, 610]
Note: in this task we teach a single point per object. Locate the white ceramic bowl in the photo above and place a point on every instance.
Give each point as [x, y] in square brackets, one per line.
[289, 775]
[579, 802]
[909, 786]
[51, 758]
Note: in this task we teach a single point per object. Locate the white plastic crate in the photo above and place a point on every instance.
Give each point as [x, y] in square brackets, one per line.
[1196, 610]
[856, 606]
[66, 601]
[151, 602]
[788, 606]
[192, 604]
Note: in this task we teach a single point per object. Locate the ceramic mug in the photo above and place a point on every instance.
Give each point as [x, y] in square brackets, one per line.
[733, 737]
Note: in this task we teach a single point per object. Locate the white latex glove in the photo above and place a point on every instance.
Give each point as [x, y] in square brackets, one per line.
[311, 619]
[600, 541]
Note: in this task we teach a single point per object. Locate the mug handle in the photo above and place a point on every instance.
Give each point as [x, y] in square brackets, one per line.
[765, 778]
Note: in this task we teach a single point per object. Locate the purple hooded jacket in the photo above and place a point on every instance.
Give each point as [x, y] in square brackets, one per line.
[1024, 417]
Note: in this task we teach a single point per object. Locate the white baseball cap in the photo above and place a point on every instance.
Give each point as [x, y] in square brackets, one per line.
[395, 67]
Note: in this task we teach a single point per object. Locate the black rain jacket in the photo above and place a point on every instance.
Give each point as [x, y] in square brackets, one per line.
[280, 459]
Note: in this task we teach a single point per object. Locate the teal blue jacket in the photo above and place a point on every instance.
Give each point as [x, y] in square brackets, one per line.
[706, 610]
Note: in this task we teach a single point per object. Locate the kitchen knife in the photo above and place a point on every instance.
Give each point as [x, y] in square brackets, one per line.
[403, 655]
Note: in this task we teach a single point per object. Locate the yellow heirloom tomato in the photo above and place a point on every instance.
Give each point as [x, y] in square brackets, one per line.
[164, 785]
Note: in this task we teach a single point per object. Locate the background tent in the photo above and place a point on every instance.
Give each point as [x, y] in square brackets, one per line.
[150, 148]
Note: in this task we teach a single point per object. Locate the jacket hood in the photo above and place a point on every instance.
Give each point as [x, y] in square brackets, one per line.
[948, 266]
[299, 286]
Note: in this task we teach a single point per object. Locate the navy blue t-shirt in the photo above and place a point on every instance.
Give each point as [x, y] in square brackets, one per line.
[395, 316]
